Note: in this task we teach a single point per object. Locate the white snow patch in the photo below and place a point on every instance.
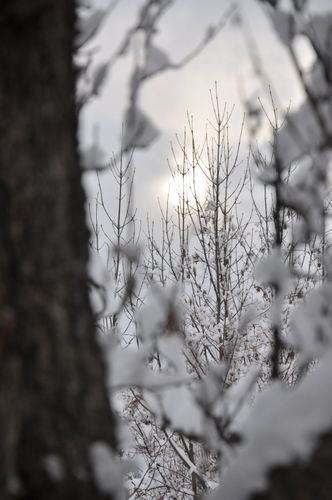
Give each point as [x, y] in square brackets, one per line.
[128, 368]
[182, 410]
[106, 469]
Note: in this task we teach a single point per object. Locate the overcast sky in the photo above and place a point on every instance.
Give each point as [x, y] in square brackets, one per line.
[168, 97]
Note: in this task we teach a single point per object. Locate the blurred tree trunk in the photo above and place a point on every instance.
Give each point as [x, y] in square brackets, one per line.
[53, 401]
[311, 480]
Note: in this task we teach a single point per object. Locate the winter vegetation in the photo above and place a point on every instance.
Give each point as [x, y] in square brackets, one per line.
[199, 366]
[216, 326]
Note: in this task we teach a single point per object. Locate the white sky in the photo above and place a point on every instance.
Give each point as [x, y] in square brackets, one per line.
[168, 97]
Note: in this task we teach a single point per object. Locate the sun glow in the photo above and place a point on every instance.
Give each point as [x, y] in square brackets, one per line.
[186, 186]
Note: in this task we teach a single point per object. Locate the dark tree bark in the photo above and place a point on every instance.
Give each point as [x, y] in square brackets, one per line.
[311, 480]
[53, 401]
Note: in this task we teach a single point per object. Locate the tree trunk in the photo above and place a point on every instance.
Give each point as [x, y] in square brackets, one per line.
[311, 480]
[53, 401]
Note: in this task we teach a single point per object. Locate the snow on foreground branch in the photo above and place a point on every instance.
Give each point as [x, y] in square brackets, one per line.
[284, 428]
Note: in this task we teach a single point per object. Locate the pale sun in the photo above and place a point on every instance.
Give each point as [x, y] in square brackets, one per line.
[187, 187]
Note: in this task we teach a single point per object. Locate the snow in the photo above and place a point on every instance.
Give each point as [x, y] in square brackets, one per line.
[247, 317]
[267, 175]
[128, 368]
[160, 313]
[300, 135]
[182, 411]
[316, 80]
[98, 77]
[101, 290]
[191, 467]
[237, 398]
[14, 486]
[140, 131]
[319, 30]
[284, 424]
[84, 3]
[54, 467]
[88, 26]
[106, 469]
[272, 271]
[93, 157]
[311, 325]
[284, 25]
[131, 252]
[171, 347]
[306, 192]
[156, 60]
[283, 428]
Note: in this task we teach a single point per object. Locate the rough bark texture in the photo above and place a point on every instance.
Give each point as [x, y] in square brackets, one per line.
[303, 481]
[52, 395]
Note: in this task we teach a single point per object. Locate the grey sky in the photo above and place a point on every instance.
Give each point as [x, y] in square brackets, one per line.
[168, 97]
